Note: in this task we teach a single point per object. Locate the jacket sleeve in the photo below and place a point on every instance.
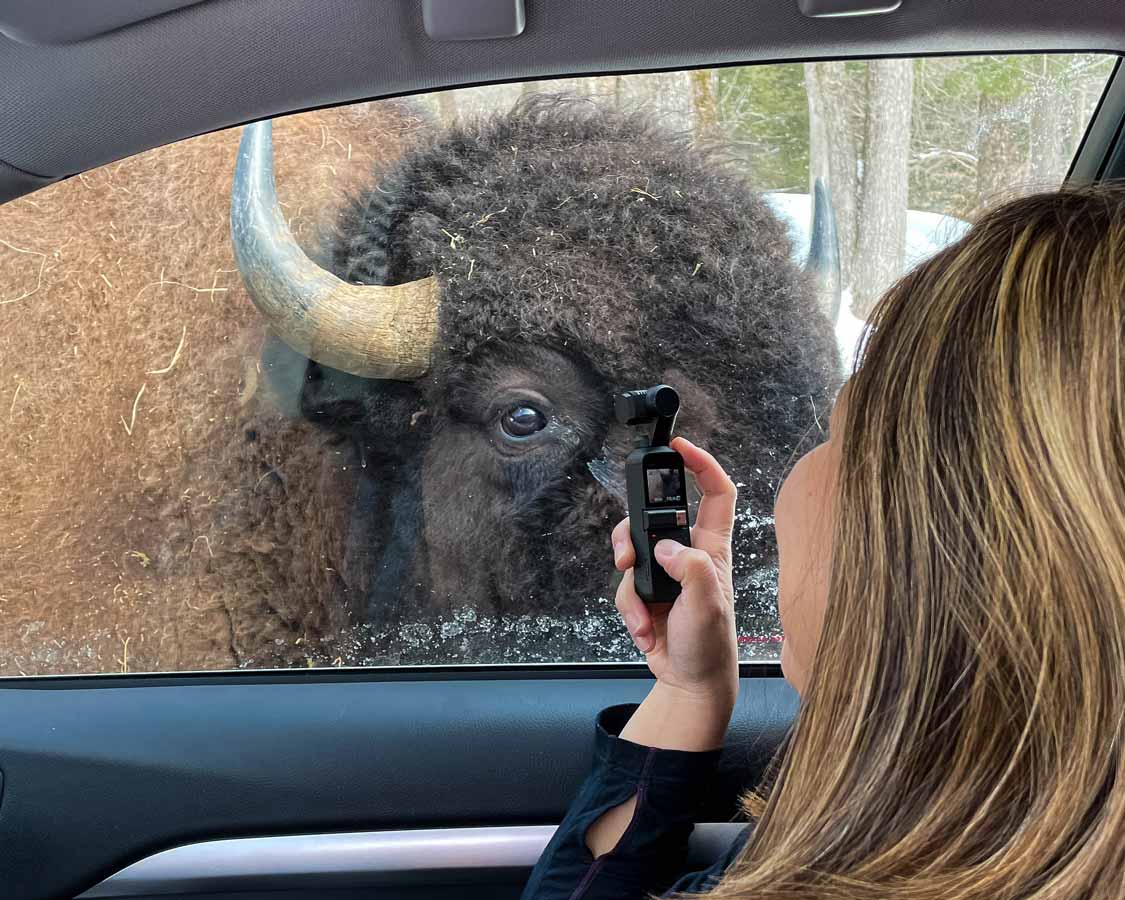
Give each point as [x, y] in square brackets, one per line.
[651, 853]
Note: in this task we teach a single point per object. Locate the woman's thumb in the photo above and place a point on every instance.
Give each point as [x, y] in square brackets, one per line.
[687, 565]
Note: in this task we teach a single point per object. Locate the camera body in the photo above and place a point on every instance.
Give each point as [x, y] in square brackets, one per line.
[655, 487]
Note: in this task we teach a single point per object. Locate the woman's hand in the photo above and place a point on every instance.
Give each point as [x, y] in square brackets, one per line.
[690, 645]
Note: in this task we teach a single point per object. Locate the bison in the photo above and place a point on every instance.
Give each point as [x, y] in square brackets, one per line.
[459, 340]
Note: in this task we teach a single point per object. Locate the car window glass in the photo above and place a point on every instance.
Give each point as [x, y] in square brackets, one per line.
[421, 466]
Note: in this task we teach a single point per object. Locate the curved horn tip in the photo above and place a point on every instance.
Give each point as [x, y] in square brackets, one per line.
[371, 331]
[824, 251]
[257, 138]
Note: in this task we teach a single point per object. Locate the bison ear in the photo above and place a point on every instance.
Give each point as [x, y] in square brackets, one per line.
[301, 388]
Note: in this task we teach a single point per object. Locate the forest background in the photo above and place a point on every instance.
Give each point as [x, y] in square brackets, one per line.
[949, 135]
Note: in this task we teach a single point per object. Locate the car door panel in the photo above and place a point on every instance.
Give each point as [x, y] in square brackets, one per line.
[102, 772]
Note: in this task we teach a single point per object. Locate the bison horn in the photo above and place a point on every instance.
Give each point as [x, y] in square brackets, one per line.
[824, 252]
[367, 330]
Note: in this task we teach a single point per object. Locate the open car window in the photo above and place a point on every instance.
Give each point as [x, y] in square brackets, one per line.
[379, 431]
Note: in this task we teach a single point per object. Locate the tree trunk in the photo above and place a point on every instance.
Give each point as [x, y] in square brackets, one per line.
[1048, 151]
[447, 107]
[664, 96]
[1000, 158]
[703, 103]
[605, 89]
[819, 151]
[883, 197]
[832, 150]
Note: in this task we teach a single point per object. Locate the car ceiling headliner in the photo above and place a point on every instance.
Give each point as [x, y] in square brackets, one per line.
[68, 107]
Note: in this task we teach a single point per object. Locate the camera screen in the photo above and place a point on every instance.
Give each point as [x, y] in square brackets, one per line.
[665, 485]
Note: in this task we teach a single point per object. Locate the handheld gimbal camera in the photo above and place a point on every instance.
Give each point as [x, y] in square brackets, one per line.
[655, 486]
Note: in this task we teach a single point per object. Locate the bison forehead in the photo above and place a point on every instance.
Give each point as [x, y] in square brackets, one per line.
[629, 301]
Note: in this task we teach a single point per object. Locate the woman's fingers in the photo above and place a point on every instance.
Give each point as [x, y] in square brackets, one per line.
[623, 554]
[635, 614]
[692, 568]
[716, 508]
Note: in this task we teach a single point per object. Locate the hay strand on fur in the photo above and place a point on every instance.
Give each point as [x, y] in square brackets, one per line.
[164, 281]
[175, 357]
[132, 423]
[39, 279]
[15, 397]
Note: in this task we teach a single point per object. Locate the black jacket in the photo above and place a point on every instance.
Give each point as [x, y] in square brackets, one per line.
[650, 856]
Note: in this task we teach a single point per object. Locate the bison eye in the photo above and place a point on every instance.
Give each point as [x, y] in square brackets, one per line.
[522, 421]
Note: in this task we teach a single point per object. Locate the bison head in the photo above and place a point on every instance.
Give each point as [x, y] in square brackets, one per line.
[487, 295]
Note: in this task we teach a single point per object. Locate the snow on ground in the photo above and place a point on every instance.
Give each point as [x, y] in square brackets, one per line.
[926, 232]
[465, 635]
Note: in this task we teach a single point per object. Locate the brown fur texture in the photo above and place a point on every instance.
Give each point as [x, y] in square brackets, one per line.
[170, 547]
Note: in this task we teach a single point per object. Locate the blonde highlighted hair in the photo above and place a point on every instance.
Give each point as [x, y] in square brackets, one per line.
[961, 734]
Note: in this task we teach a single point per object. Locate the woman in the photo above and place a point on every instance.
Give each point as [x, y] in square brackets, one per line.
[952, 591]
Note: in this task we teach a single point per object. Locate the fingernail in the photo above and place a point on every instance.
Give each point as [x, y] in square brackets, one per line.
[631, 622]
[617, 549]
[644, 644]
[666, 549]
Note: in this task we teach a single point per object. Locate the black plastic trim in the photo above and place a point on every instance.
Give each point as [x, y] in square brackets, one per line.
[1113, 164]
[1103, 132]
[353, 675]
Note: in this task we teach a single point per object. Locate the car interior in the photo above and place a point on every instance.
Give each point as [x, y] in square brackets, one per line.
[347, 781]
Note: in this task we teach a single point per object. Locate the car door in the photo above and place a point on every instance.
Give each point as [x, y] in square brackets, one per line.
[416, 784]
[245, 652]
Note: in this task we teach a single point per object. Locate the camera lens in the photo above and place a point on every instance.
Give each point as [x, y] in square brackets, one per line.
[663, 400]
